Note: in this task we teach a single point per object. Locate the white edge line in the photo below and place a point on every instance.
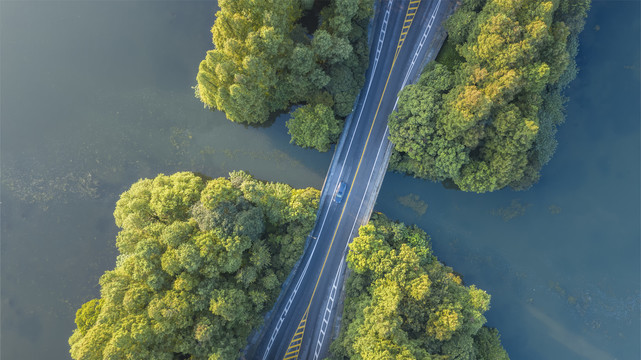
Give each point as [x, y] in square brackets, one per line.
[277, 329]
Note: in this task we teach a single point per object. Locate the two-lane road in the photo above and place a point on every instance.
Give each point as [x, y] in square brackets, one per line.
[301, 322]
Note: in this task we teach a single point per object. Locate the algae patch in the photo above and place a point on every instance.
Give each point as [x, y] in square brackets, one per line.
[515, 209]
[414, 202]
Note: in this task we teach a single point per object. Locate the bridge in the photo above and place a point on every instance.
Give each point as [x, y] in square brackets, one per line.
[404, 34]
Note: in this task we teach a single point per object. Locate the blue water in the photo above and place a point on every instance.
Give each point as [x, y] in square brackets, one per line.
[561, 260]
[96, 95]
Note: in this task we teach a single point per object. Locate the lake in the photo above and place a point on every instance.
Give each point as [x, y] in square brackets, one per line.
[97, 94]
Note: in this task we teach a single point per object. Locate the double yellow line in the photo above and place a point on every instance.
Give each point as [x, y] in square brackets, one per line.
[294, 345]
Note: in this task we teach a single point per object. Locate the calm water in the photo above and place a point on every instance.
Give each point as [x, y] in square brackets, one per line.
[95, 95]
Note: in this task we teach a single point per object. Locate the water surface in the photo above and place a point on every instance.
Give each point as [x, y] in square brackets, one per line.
[95, 95]
[561, 260]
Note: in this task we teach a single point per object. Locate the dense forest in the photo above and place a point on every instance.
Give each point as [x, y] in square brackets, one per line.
[484, 116]
[402, 303]
[201, 261]
[270, 55]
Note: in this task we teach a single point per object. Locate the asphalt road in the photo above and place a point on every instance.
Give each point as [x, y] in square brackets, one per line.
[300, 324]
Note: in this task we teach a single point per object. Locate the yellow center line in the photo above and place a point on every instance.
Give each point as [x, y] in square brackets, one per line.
[291, 352]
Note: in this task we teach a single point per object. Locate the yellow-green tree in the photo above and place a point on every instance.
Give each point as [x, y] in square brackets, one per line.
[252, 46]
[402, 303]
[264, 61]
[487, 119]
[200, 262]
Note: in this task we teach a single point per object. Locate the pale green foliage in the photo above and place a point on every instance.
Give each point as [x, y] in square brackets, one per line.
[264, 62]
[403, 304]
[252, 45]
[200, 262]
[87, 315]
[488, 120]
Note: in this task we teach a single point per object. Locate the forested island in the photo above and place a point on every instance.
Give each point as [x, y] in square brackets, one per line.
[271, 55]
[484, 115]
[201, 261]
[402, 303]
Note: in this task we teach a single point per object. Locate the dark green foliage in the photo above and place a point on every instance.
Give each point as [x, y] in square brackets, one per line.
[402, 303]
[200, 262]
[490, 122]
[264, 62]
[448, 55]
[488, 345]
[417, 134]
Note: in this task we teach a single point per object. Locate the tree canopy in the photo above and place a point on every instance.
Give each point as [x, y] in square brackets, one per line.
[485, 117]
[264, 61]
[402, 303]
[200, 263]
[314, 127]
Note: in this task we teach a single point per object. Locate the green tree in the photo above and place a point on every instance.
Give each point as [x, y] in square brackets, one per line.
[264, 62]
[87, 315]
[402, 303]
[314, 127]
[200, 262]
[488, 119]
[487, 343]
[252, 44]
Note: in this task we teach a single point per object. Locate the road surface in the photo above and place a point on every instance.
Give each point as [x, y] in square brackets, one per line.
[299, 326]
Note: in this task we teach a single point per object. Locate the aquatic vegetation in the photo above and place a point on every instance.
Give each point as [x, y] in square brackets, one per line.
[43, 185]
[554, 209]
[414, 202]
[515, 209]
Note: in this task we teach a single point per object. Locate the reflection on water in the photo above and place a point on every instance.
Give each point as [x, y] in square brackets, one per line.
[97, 95]
[573, 342]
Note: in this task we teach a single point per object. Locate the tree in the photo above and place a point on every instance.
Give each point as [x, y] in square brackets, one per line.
[402, 303]
[240, 75]
[200, 262]
[264, 62]
[314, 127]
[487, 343]
[492, 122]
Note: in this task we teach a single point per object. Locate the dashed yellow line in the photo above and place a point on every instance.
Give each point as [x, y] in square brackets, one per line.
[294, 345]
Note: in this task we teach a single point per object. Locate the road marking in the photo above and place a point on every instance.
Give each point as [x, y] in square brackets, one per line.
[405, 80]
[328, 311]
[381, 40]
[291, 298]
[330, 303]
[297, 340]
[409, 17]
[408, 22]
